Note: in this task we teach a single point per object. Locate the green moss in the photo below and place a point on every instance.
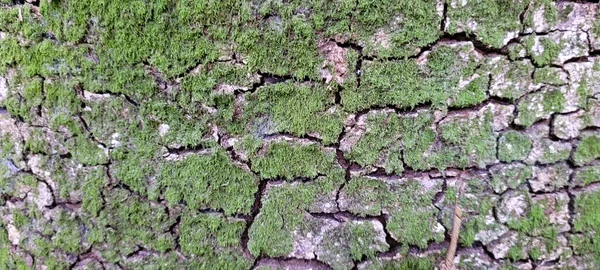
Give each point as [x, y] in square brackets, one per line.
[516, 252]
[213, 236]
[536, 223]
[586, 175]
[514, 146]
[88, 152]
[92, 191]
[549, 53]
[494, 19]
[127, 221]
[208, 181]
[418, 27]
[587, 223]
[510, 176]
[19, 219]
[412, 217]
[69, 236]
[293, 108]
[548, 75]
[474, 140]
[283, 211]
[182, 129]
[406, 83]
[587, 150]
[290, 161]
[293, 39]
[529, 110]
[418, 137]
[382, 132]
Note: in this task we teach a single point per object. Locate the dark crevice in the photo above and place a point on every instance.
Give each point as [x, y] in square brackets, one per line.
[256, 206]
[444, 17]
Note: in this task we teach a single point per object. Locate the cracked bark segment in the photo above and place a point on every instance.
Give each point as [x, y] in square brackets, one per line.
[550, 178]
[336, 134]
[514, 146]
[413, 223]
[545, 150]
[546, 16]
[470, 192]
[134, 223]
[556, 47]
[350, 241]
[515, 247]
[540, 105]
[471, 136]
[285, 209]
[289, 264]
[555, 207]
[495, 24]
[569, 126]
[582, 76]
[512, 206]
[509, 176]
[511, 79]
[474, 258]
[586, 175]
[413, 259]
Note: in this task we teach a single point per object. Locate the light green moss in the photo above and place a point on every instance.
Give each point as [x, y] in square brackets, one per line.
[208, 181]
[586, 176]
[412, 217]
[406, 83]
[378, 140]
[215, 238]
[494, 19]
[283, 211]
[418, 27]
[290, 161]
[474, 140]
[297, 109]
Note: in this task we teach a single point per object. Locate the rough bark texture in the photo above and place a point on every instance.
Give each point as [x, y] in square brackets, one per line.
[299, 134]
